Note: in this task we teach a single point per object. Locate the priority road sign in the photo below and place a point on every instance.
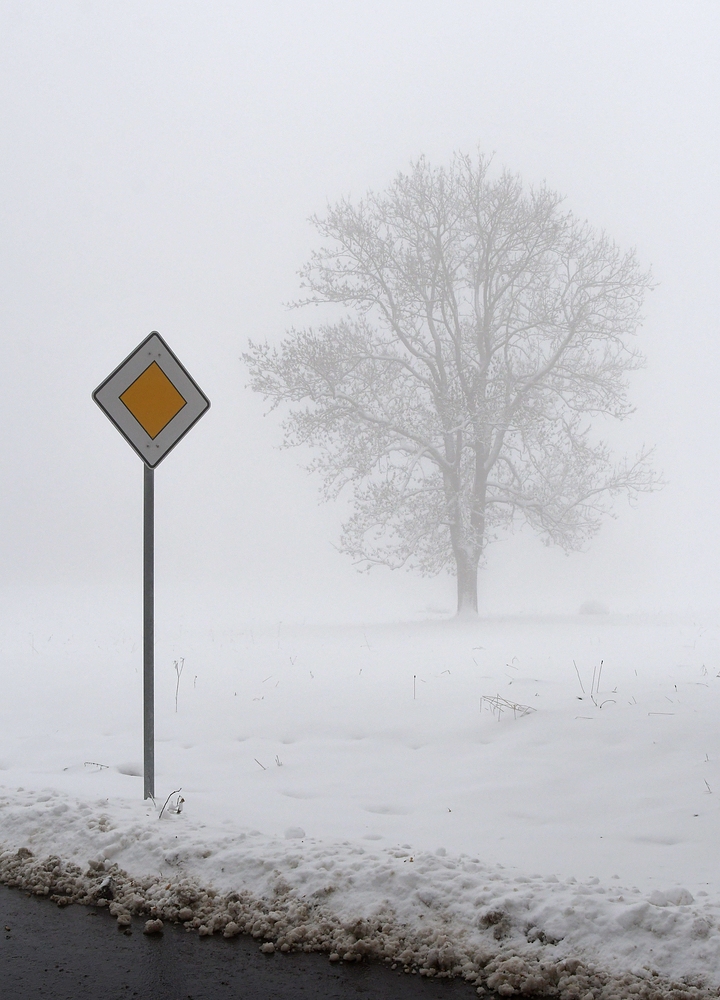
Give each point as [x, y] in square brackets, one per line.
[152, 400]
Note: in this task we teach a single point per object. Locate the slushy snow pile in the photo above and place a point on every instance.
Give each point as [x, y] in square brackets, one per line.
[530, 803]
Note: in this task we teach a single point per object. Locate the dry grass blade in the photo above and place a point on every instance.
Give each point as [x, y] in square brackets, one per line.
[498, 705]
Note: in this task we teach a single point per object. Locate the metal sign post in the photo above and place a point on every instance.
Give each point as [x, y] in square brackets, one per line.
[153, 402]
[149, 631]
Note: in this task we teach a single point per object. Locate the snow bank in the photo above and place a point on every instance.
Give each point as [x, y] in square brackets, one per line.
[434, 913]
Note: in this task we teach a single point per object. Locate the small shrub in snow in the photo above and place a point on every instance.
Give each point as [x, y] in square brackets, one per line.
[173, 807]
[497, 705]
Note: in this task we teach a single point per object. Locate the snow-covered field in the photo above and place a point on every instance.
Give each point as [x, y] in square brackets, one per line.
[370, 789]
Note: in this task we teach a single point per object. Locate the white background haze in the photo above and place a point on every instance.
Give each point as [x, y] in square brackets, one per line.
[159, 162]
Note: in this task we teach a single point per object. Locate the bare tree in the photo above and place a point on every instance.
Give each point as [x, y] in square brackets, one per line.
[486, 328]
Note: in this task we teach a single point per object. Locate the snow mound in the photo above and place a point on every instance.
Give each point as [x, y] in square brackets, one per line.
[431, 913]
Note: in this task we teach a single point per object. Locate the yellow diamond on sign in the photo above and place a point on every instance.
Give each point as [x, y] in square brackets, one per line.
[153, 400]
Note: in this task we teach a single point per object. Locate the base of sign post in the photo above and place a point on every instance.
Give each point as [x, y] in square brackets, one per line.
[149, 631]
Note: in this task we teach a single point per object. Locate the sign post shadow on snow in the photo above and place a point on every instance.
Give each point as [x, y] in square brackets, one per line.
[153, 402]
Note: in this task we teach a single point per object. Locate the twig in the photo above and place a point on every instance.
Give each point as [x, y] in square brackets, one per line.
[167, 800]
[258, 762]
[93, 763]
[579, 677]
[179, 667]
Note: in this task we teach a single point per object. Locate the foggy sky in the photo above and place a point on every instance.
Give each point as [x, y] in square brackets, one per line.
[159, 162]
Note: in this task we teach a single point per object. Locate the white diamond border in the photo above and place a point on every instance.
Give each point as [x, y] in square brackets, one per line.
[107, 396]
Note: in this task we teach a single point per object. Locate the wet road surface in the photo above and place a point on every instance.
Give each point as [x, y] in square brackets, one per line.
[78, 952]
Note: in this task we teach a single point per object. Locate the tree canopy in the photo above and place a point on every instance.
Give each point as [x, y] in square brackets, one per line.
[484, 328]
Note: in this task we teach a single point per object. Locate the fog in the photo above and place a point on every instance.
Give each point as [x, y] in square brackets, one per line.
[159, 163]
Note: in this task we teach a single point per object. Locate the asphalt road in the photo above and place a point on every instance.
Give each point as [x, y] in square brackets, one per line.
[78, 953]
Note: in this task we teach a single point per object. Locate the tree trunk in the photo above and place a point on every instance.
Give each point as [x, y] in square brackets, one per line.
[467, 573]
